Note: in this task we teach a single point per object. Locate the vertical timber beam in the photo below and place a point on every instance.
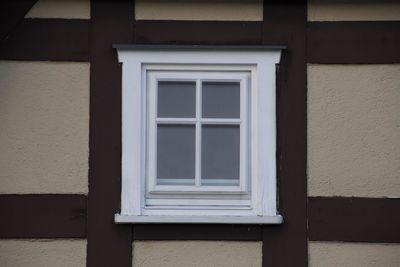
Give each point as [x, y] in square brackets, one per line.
[109, 244]
[11, 14]
[285, 24]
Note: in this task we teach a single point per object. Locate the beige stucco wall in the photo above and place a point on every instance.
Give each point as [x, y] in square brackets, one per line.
[43, 253]
[196, 253]
[336, 10]
[354, 130]
[330, 254]
[44, 118]
[71, 9]
[250, 10]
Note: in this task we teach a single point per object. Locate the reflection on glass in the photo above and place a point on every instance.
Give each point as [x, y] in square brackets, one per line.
[176, 99]
[175, 154]
[220, 154]
[221, 99]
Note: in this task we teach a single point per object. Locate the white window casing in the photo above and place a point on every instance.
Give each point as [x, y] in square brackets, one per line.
[254, 199]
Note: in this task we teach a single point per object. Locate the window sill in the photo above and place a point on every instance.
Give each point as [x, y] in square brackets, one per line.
[278, 219]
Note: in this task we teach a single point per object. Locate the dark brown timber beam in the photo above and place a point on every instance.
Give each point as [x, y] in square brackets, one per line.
[354, 219]
[197, 32]
[352, 42]
[11, 14]
[48, 39]
[109, 244]
[43, 216]
[286, 244]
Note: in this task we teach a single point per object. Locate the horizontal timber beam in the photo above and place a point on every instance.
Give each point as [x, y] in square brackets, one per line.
[353, 42]
[327, 42]
[231, 232]
[197, 32]
[354, 219]
[43, 216]
[47, 39]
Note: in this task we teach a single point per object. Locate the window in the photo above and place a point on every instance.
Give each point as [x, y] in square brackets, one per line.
[199, 134]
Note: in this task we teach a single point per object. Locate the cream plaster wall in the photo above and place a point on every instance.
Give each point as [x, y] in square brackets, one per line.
[63, 9]
[335, 254]
[44, 118]
[196, 253]
[337, 10]
[250, 10]
[43, 253]
[354, 130]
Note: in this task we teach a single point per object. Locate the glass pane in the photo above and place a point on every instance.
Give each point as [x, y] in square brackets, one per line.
[175, 154]
[221, 99]
[220, 154]
[176, 99]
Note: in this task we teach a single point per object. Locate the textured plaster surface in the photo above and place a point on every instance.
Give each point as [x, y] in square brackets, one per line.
[335, 254]
[44, 117]
[62, 9]
[354, 130]
[334, 10]
[249, 10]
[43, 253]
[196, 254]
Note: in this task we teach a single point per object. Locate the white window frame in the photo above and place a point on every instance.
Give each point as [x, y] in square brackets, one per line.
[198, 77]
[142, 202]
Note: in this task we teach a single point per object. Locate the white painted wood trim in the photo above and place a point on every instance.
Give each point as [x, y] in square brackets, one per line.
[244, 175]
[216, 203]
[278, 219]
[132, 150]
[198, 134]
[199, 57]
[199, 211]
[201, 120]
[151, 165]
[255, 192]
[197, 76]
[262, 98]
[266, 140]
[204, 189]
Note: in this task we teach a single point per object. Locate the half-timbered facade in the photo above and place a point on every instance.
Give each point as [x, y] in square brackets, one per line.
[337, 133]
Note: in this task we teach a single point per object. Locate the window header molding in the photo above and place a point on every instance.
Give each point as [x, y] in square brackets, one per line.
[156, 47]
